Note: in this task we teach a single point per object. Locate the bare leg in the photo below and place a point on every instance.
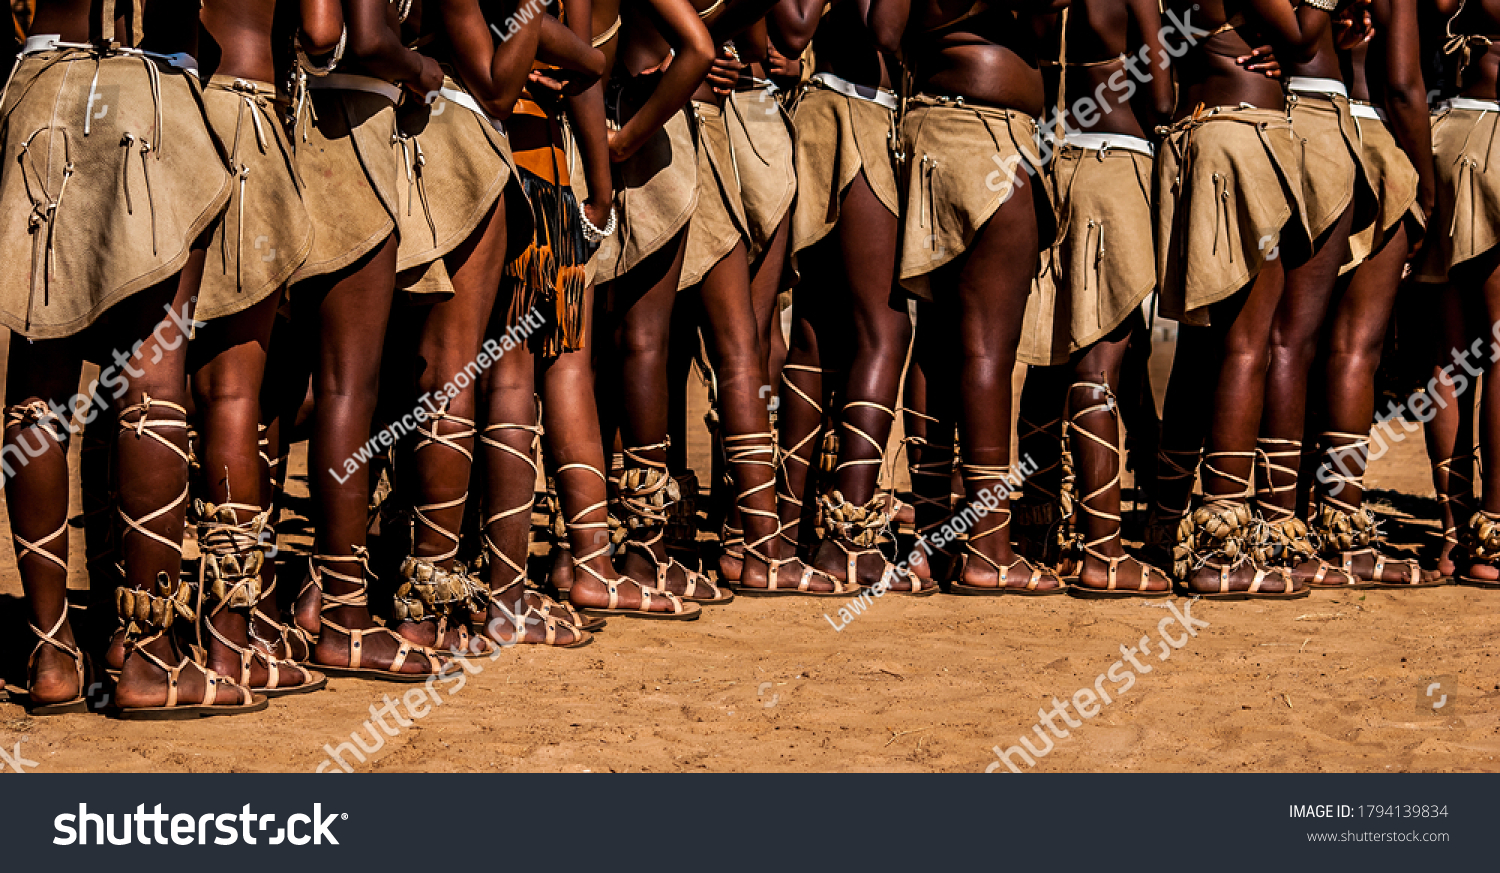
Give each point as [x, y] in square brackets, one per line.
[1294, 339]
[993, 281]
[1482, 536]
[1450, 433]
[229, 358]
[351, 317]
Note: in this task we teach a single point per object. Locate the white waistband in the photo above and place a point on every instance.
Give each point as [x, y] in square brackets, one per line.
[1470, 103]
[467, 101]
[1101, 142]
[1365, 110]
[1310, 85]
[859, 92]
[349, 82]
[47, 42]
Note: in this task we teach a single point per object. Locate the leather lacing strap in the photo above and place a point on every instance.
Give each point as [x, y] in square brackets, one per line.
[144, 426]
[253, 98]
[432, 437]
[1109, 406]
[1168, 469]
[647, 492]
[750, 450]
[358, 599]
[584, 562]
[975, 477]
[1281, 472]
[936, 465]
[148, 614]
[413, 162]
[527, 457]
[1445, 494]
[49, 638]
[1462, 44]
[44, 208]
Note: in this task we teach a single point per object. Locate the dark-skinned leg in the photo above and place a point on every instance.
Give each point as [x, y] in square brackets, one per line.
[1450, 433]
[1184, 429]
[866, 235]
[1481, 535]
[1294, 340]
[1041, 524]
[1095, 442]
[351, 318]
[648, 295]
[1355, 341]
[1243, 323]
[35, 457]
[449, 341]
[993, 281]
[228, 360]
[749, 447]
[806, 387]
[151, 452]
[931, 419]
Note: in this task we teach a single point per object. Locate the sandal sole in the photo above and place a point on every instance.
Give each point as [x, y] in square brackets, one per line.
[747, 591]
[973, 591]
[650, 616]
[184, 713]
[41, 710]
[1083, 592]
[379, 675]
[1470, 582]
[273, 693]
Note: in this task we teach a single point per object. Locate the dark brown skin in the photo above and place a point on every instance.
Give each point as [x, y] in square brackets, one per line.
[966, 340]
[1480, 279]
[150, 475]
[227, 363]
[345, 310]
[1389, 69]
[1228, 361]
[449, 333]
[1097, 30]
[846, 281]
[1305, 304]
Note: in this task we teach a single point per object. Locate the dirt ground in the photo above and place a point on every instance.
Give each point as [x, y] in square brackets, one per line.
[1332, 683]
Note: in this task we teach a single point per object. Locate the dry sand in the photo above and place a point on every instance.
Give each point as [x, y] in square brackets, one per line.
[1331, 683]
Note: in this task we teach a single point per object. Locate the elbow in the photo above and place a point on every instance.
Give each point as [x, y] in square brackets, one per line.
[594, 63]
[697, 52]
[500, 108]
[1406, 95]
[321, 37]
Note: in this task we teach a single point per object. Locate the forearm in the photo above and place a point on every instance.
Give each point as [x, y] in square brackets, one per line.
[586, 112]
[564, 48]
[673, 92]
[376, 46]
[1411, 125]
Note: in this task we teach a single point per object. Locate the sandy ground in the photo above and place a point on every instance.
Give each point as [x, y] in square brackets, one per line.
[1332, 683]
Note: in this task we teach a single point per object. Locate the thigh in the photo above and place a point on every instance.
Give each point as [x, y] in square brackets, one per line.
[352, 318]
[994, 277]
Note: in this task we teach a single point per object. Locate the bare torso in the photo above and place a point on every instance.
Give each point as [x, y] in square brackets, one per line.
[1208, 74]
[1097, 42]
[959, 48]
[843, 46]
[1479, 18]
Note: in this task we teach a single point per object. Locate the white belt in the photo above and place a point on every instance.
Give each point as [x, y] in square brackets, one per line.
[859, 92]
[1310, 85]
[348, 82]
[50, 42]
[1364, 110]
[1470, 103]
[1103, 142]
[467, 101]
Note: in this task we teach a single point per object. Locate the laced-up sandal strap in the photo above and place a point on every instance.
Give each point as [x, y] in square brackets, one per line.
[359, 598]
[936, 466]
[1109, 405]
[646, 493]
[48, 638]
[528, 457]
[429, 592]
[1280, 460]
[1175, 465]
[976, 478]
[605, 546]
[140, 419]
[1480, 539]
[432, 437]
[754, 450]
